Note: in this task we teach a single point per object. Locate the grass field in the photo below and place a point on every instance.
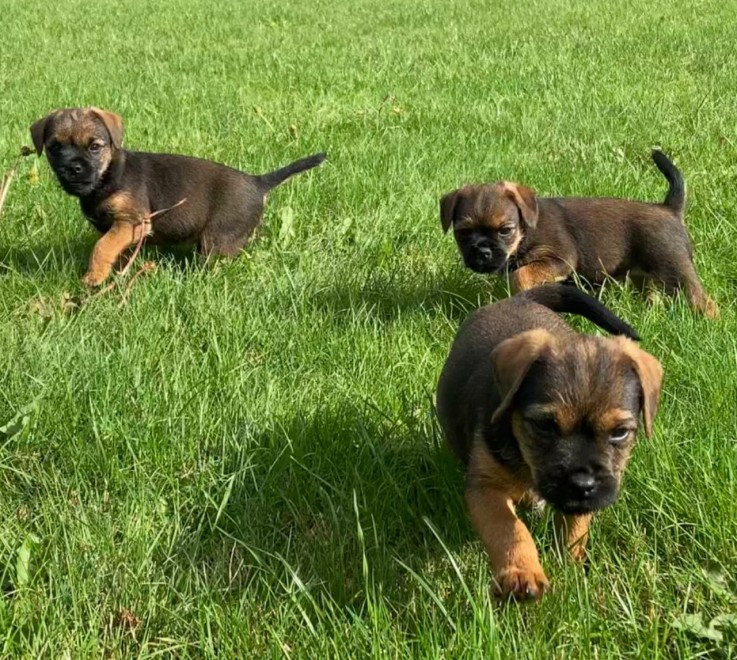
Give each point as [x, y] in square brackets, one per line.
[243, 461]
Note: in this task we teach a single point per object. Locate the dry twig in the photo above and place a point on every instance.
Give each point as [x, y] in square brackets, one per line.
[8, 176]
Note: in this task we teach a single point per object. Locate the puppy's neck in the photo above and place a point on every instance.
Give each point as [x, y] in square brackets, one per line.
[110, 182]
[525, 245]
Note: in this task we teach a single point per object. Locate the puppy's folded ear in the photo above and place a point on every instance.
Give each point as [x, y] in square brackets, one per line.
[447, 209]
[512, 360]
[525, 199]
[38, 132]
[650, 372]
[113, 123]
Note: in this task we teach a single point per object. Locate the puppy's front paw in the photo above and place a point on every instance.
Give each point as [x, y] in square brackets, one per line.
[577, 552]
[523, 582]
[92, 279]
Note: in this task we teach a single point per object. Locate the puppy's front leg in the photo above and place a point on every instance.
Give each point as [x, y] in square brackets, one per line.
[508, 542]
[573, 531]
[535, 274]
[119, 237]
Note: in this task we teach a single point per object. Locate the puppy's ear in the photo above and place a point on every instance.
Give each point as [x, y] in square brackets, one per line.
[113, 123]
[512, 360]
[525, 199]
[38, 132]
[447, 209]
[650, 372]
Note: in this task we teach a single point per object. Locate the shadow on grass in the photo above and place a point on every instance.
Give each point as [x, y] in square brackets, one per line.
[386, 297]
[75, 253]
[330, 501]
[46, 256]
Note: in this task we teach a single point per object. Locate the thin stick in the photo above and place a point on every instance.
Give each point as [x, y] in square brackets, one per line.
[145, 232]
[148, 267]
[8, 176]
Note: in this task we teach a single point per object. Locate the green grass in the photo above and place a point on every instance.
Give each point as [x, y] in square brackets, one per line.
[243, 462]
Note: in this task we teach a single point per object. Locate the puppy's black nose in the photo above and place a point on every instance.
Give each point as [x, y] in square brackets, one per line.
[75, 168]
[584, 483]
[483, 253]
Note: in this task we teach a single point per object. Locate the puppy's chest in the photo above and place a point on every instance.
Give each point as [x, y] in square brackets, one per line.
[101, 218]
[118, 207]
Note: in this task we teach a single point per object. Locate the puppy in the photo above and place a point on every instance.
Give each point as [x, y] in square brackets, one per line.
[536, 411]
[120, 191]
[540, 240]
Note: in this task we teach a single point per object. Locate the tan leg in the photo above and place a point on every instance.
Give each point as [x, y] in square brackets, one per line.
[699, 299]
[573, 532]
[535, 274]
[508, 542]
[107, 250]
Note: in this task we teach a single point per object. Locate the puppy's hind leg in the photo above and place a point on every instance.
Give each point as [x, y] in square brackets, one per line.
[230, 230]
[682, 275]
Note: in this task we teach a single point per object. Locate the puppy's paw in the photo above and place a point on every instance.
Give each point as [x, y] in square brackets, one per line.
[523, 582]
[710, 309]
[577, 552]
[92, 279]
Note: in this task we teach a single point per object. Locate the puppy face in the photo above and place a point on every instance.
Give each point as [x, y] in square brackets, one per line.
[575, 408]
[489, 222]
[80, 144]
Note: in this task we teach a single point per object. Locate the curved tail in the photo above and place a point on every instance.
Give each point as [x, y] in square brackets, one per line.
[273, 179]
[569, 299]
[676, 197]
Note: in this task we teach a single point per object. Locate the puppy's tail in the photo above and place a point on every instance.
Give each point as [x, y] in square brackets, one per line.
[676, 197]
[273, 179]
[568, 299]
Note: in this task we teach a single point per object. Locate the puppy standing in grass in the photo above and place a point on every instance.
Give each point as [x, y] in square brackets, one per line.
[119, 190]
[540, 240]
[536, 412]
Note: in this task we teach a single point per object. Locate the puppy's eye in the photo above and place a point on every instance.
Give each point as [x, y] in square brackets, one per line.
[506, 231]
[619, 435]
[95, 147]
[543, 426]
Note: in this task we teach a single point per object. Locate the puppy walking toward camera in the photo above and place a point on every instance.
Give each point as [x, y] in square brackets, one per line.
[506, 226]
[120, 190]
[536, 411]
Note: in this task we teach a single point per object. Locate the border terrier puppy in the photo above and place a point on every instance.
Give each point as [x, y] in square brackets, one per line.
[505, 225]
[121, 191]
[538, 412]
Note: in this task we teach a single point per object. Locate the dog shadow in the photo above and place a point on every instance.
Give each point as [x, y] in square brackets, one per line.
[453, 294]
[321, 500]
[43, 258]
[73, 255]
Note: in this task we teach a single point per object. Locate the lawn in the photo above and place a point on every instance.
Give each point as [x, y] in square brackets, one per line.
[243, 460]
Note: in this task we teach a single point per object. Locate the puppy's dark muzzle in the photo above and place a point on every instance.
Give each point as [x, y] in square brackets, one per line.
[75, 178]
[580, 492]
[484, 259]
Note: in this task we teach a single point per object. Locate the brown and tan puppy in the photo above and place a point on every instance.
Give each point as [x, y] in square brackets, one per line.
[119, 190]
[505, 225]
[537, 412]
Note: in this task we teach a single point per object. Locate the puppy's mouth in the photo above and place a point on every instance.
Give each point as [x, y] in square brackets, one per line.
[496, 264]
[573, 501]
[79, 187]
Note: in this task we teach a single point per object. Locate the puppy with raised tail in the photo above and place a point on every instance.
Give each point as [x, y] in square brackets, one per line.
[504, 225]
[536, 411]
[120, 191]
